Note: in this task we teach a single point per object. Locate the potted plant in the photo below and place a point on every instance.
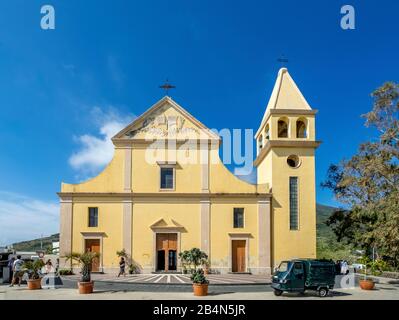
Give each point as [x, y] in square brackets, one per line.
[134, 268]
[366, 283]
[200, 283]
[85, 260]
[33, 268]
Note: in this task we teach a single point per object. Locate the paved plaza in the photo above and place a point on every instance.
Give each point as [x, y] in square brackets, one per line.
[178, 287]
[382, 292]
[179, 279]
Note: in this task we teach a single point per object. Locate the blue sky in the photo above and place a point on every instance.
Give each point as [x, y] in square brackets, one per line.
[63, 92]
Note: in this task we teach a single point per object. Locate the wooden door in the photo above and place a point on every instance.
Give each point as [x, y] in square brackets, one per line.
[166, 249]
[238, 255]
[93, 245]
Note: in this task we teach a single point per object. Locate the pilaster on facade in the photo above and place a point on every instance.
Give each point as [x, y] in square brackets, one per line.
[205, 217]
[264, 236]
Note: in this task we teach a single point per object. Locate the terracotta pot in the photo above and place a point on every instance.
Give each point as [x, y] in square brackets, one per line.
[367, 284]
[34, 284]
[200, 289]
[86, 287]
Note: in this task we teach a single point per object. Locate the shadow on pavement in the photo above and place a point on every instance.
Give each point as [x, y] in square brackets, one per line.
[219, 293]
[384, 288]
[315, 294]
[339, 294]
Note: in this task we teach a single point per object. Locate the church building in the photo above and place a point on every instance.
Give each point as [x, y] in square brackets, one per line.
[166, 190]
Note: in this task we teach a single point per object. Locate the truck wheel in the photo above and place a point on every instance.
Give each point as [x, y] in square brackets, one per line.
[278, 292]
[323, 292]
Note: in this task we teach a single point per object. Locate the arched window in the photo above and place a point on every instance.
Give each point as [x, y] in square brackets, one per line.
[301, 129]
[282, 128]
[267, 132]
[260, 143]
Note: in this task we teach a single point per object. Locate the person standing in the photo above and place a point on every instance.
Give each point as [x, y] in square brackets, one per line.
[17, 271]
[10, 266]
[344, 267]
[122, 265]
[49, 266]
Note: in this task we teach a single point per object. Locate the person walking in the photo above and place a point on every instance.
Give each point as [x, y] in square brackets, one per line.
[17, 271]
[122, 265]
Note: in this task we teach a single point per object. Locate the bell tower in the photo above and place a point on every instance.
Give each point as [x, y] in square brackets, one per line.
[286, 144]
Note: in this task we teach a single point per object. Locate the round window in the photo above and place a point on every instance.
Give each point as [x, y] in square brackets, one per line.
[293, 161]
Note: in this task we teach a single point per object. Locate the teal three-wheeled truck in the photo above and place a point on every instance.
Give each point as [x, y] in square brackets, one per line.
[300, 275]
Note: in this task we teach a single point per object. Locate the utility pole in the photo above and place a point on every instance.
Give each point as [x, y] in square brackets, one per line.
[41, 242]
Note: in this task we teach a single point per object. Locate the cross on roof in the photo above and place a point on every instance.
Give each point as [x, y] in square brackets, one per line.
[167, 86]
[283, 60]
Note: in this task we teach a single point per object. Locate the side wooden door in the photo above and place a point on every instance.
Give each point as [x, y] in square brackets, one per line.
[93, 245]
[238, 255]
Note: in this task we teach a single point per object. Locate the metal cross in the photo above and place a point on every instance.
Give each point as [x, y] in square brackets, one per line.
[283, 60]
[167, 86]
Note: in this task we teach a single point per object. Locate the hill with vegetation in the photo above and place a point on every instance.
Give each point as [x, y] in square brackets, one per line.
[327, 245]
[36, 244]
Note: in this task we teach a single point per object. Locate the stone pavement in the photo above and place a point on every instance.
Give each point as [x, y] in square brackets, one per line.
[382, 292]
[180, 279]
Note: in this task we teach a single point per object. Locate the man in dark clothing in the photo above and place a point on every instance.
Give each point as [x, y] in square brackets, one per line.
[10, 266]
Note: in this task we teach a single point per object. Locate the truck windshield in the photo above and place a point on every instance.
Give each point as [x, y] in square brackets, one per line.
[283, 267]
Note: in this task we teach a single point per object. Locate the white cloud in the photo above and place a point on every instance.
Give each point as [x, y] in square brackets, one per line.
[26, 218]
[96, 151]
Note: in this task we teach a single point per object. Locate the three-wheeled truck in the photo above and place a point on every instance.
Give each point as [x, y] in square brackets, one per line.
[300, 275]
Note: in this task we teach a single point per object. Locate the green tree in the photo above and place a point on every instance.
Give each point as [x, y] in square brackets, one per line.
[193, 259]
[368, 183]
[49, 250]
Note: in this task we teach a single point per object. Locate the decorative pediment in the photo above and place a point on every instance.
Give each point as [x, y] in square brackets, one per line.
[163, 224]
[162, 125]
[166, 119]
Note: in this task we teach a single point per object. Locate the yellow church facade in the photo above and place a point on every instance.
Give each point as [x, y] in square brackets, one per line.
[166, 190]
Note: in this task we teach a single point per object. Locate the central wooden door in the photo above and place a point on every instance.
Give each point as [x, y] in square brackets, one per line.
[93, 245]
[238, 255]
[166, 251]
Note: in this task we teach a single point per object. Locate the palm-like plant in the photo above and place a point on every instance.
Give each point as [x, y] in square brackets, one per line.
[33, 268]
[85, 260]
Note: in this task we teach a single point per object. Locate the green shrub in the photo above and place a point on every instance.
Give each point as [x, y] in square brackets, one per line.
[65, 272]
[133, 268]
[192, 259]
[198, 277]
[376, 267]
